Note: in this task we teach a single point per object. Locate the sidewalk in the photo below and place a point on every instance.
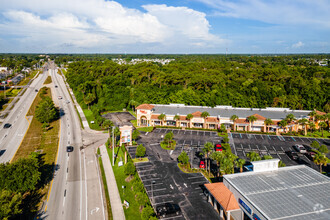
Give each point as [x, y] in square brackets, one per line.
[116, 204]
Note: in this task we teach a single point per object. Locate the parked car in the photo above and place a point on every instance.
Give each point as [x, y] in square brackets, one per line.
[300, 148]
[167, 209]
[218, 147]
[293, 155]
[55, 86]
[202, 164]
[7, 125]
[36, 90]
[69, 149]
[310, 152]
[59, 97]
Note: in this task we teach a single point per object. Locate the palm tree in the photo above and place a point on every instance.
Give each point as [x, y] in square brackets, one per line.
[283, 124]
[322, 126]
[327, 117]
[205, 115]
[176, 118]
[253, 156]
[234, 118]
[312, 114]
[268, 122]
[281, 164]
[240, 163]
[303, 122]
[252, 119]
[217, 156]
[320, 159]
[189, 117]
[208, 147]
[162, 117]
[311, 126]
[319, 118]
[290, 118]
[228, 164]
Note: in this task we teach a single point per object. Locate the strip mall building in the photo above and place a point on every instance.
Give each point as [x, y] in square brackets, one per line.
[176, 116]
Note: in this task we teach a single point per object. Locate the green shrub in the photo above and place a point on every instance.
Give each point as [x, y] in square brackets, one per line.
[147, 212]
[130, 169]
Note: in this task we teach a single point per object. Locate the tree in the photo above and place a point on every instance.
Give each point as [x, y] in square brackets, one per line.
[183, 158]
[189, 117]
[140, 151]
[290, 118]
[147, 213]
[283, 124]
[323, 149]
[129, 169]
[281, 164]
[89, 98]
[205, 115]
[253, 156]
[320, 159]
[10, 204]
[218, 157]
[303, 122]
[227, 164]
[208, 147]
[312, 114]
[162, 118]
[225, 139]
[168, 138]
[240, 163]
[322, 125]
[252, 119]
[234, 118]
[141, 198]
[135, 134]
[21, 176]
[267, 157]
[311, 126]
[176, 118]
[315, 145]
[268, 122]
[46, 111]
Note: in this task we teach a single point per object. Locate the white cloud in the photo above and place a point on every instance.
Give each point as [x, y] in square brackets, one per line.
[298, 45]
[302, 12]
[103, 24]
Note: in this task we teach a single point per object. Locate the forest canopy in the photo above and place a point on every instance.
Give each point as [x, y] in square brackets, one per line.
[294, 81]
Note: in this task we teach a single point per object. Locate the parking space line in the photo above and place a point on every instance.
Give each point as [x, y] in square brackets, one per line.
[199, 182]
[163, 195]
[155, 184]
[293, 138]
[269, 137]
[240, 135]
[255, 136]
[274, 148]
[279, 138]
[172, 217]
[150, 179]
[155, 190]
[163, 202]
[196, 177]
[262, 137]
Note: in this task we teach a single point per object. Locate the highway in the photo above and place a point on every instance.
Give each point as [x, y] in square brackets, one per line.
[76, 191]
[10, 138]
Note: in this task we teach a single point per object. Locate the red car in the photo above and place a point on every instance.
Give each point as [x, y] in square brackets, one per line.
[218, 147]
[202, 165]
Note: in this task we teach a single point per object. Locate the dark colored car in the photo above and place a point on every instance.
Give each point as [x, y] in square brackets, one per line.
[167, 209]
[69, 149]
[7, 125]
[218, 147]
[55, 86]
[293, 155]
[36, 90]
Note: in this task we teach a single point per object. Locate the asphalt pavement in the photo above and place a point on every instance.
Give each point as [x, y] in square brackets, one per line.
[11, 138]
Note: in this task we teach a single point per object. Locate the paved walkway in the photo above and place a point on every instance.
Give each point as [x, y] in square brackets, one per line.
[116, 204]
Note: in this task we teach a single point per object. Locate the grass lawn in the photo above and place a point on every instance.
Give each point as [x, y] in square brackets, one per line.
[146, 129]
[90, 117]
[46, 142]
[48, 80]
[28, 78]
[165, 146]
[105, 188]
[127, 193]
[134, 122]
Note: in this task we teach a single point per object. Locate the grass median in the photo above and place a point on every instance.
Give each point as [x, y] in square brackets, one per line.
[46, 143]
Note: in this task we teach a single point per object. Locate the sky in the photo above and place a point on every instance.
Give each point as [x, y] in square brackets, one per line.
[175, 26]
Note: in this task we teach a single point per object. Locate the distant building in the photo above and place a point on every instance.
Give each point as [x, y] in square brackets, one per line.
[269, 192]
[176, 116]
[15, 80]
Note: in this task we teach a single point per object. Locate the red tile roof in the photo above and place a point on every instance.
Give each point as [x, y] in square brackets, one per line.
[241, 121]
[153, 117]
[223, 195]
[320, 113]
[259, 117]
[145, 107]
[212, 119]
[197, 114]
[183, 118]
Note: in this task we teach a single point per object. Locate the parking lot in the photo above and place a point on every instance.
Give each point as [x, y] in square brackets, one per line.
[273, 145]
[165, 183]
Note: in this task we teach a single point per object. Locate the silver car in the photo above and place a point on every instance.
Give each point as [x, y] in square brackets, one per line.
[300, 148]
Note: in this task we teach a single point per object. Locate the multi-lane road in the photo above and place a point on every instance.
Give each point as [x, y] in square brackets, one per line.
[76, 190]
[10, 138]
